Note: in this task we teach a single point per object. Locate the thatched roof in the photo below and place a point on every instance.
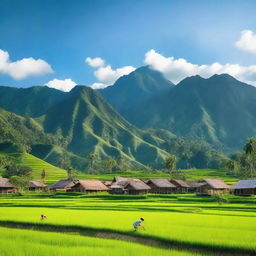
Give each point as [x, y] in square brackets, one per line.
[245, 184]
[63, 184]
[216, 183]
[116, 186]
[161, 183]
[137, 185]
[195, 184]
[36, 184]
[4, 183]
[121, 181]
[107, 183]
[180, 183]
[95, 185]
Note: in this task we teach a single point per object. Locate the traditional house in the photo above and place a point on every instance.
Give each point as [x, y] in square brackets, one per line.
[136, 187]
[181, 186]
[194, 185]
[161, 186]
[63, 185]
[212, 186]
[116, 189]
[89, 186]
[36, 185]
[118, 185]
[6, 186]
[107, 183]
[245, 187]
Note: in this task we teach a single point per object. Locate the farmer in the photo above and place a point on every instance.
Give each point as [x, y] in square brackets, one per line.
[43, 217]
[137, 224]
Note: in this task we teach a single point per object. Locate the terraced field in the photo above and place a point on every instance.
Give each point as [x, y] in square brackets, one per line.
[186, 223]
[37, 165]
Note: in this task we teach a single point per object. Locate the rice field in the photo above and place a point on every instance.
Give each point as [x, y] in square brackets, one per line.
[194, 221]
[31, 243]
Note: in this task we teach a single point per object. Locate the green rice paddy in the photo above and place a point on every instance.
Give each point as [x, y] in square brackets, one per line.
[194, 221]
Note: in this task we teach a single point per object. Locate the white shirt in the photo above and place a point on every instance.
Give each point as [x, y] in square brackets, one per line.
[137, 223]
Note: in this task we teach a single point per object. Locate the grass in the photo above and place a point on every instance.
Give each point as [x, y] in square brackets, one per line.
[185, 218]
[30, 243]
[55, 173]
[191, 174]
[37, 165]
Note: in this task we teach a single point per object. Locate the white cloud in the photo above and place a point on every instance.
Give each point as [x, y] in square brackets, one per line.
[247, 41]
[108, 76]
[23, 68]
[95, 62]
[177, 69]
[98, 86]
[105, 74]
[65, 85]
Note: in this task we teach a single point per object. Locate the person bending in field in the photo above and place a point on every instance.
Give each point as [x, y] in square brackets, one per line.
[43, 217]
[137, 224]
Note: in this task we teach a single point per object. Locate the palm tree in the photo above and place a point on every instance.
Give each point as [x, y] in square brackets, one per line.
[92, 157]
[170, 163]
[250, 153]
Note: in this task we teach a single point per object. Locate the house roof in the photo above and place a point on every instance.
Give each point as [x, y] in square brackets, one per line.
[36, 184]
[244, 184]
[216, 183]
[4, 183]
[195, 184]
[62, 184]
[121, 181]
[116, 186]
[95, 185]
[179, 183]
[107, 183]
[137, 185]
[161, 183]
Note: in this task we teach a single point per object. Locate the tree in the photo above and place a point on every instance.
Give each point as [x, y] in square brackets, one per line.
[64, 162]
[43, 175]
[70, 173]
[20, 182]
[232, 166]
[110, 164]
[17, 170]
[92, 158]
[250, 154]
[170, 164]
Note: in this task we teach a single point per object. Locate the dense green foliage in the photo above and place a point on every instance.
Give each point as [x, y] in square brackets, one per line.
[244, 164]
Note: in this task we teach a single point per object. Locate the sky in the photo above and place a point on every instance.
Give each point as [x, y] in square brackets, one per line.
[94, 42]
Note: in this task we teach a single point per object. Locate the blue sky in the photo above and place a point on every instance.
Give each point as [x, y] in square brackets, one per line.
[64, 33]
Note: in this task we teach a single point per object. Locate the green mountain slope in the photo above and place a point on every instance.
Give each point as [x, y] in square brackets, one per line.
[219, 110]
[53, 173]
[130, 91]
[22, 130]
[33, 101]
[81, 122]
[93, 126]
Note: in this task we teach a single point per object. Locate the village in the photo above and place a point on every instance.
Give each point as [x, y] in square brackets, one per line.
[131, 186]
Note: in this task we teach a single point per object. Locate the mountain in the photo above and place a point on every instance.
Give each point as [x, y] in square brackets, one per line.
[219, 110]
[20, 131]
[91, 125]
[80, 123]
[130, 91]
[32, 102]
